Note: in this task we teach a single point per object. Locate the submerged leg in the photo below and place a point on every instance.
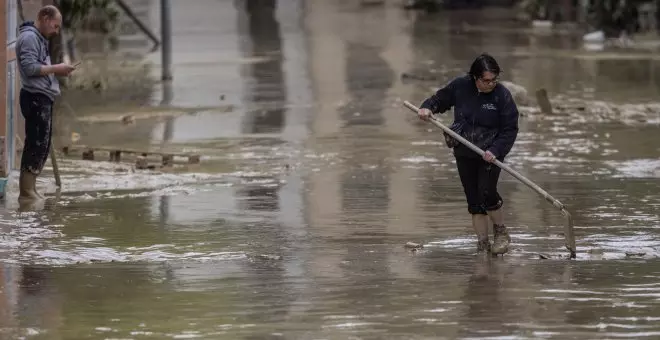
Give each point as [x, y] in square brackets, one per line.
[480, 224]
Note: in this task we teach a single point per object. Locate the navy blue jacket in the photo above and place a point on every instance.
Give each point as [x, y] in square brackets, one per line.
[488, 120]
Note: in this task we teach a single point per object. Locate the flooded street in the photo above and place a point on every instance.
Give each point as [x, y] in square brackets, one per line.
[314, 175]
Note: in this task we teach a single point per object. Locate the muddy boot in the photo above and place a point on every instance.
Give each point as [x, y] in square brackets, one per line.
[480, 225]
[501, 241]
[27, 186]
[483, 246]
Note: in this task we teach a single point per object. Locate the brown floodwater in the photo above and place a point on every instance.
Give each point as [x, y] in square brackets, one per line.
[293, 226]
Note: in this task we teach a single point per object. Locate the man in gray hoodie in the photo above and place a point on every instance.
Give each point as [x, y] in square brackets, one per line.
[38, 92]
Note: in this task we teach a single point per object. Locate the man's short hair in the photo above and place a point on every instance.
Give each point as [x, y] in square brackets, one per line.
[48, 12]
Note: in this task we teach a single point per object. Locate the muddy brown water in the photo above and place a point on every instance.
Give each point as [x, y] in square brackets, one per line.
[294, 224]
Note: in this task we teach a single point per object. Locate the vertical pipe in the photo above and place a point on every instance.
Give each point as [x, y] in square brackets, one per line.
[3, 97]
[582, 12]
[166, 38]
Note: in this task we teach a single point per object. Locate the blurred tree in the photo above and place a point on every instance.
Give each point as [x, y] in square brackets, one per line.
[99, 15]
[82, 13]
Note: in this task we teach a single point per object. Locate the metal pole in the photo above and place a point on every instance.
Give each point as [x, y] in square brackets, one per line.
[127, 10]
[568, 228]
[166, 38]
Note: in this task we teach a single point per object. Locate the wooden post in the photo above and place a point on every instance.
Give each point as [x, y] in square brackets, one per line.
[543, 101]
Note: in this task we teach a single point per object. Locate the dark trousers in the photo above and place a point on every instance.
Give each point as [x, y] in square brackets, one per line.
[479, 180]
[37, 109]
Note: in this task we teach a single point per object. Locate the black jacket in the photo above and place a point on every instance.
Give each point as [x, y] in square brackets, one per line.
[488, 120]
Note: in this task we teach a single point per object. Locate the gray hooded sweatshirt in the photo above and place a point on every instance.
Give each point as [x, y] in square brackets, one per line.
[32, 54]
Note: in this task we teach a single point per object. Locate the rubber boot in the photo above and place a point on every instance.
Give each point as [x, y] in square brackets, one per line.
[34, 185]
[27, 186]
[501, 240]
[480, 224]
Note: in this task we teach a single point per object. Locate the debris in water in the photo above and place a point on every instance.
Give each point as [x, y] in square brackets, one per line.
[128, 119]
[414, 246]
[422, 77]
[544, 256]
[269, 257]
[519, 92]
[633, 254]
[141, 163]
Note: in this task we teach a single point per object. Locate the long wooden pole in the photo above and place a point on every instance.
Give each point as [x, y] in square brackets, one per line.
[56, 168]
[569, 233]
[57, 49]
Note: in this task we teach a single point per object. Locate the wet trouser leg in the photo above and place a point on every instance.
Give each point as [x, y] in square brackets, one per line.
[479, 180]
[37, 109]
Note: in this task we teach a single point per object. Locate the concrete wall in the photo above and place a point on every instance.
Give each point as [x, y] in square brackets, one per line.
[11, 123]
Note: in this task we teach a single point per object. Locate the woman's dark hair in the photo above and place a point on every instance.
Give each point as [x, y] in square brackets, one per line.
[484, 62]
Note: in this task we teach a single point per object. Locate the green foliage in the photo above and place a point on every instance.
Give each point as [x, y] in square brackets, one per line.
[535, 9]
[76, 13]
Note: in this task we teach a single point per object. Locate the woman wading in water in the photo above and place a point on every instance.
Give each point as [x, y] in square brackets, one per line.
[486, 115]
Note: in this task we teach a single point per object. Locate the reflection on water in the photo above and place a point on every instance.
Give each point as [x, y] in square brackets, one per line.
[294, 225]
[265, 79]
[368, 77]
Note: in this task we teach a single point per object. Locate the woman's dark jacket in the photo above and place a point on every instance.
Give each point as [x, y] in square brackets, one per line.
[488, 120]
